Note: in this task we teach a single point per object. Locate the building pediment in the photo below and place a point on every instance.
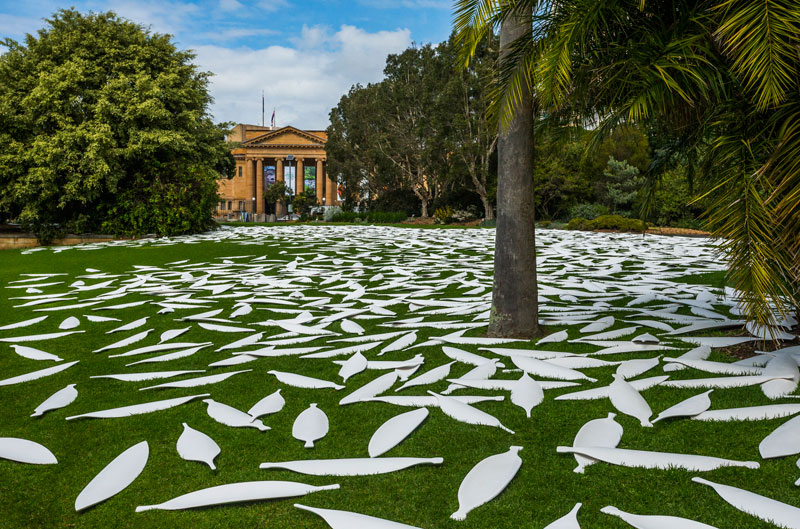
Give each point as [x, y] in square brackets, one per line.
[286, 136]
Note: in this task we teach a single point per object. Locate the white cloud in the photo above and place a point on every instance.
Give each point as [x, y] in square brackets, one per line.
[230, 5]
[303, 83]
[162, 16]
[238, 33]
[272, 5]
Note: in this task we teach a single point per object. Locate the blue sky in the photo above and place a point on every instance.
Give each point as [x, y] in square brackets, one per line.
[304, 55]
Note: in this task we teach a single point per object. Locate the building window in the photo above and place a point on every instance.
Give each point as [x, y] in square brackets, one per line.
[229, 205]
[240, 170]
[241, 205]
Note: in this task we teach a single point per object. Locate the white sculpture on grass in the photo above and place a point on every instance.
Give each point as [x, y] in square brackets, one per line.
[690, 407]
[60, 399]
[598, 432]
[395, 430]
[302, 381]
[352, 467]
[25, 451]
[655, 522]
[465, 413]
[486, 481]
[35, 375]
[310, 426]
[652, 460]
[767, 509]
[230, 416]
[352, 520]
[784, 441]
[272, 403]
[627, 400]
[527, 394]
[237, 493]
[568, 521]
[196, 446]
[34, 354]
[137, 409]
[115, 477]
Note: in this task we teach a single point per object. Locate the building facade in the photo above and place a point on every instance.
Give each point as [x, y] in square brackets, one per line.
[265, 155]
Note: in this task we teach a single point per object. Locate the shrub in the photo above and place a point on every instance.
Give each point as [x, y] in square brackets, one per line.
[587, 211]
[345, 216]
[398, 200]
[443, 215]
[465, 215]
[617, 222]
[331, 212]
[490, 223]
[579, 223]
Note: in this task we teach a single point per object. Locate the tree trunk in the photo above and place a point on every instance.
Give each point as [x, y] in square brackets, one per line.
[488, 212]
[514, 296]
[424, 208]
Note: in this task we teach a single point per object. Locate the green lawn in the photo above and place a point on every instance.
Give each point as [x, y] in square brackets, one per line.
[545, 488]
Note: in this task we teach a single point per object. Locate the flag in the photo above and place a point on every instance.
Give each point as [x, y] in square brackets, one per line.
[272, 121]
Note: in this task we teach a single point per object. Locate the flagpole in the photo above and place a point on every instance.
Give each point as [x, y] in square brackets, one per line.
[262, 108]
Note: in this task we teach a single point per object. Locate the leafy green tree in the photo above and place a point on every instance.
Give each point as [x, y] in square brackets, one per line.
[105, 126]
[277, 192]
[620, 186]
[304, 202]
[719, 75]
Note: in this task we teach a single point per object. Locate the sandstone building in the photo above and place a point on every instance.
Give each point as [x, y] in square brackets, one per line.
[265, 155]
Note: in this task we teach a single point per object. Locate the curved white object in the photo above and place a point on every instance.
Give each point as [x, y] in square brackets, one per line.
[719, 382]
[717, 368]
[25, 451]
[687, 408]
[400, 343]
[784, 441]
[140, 377]
[196, 382]
[352, 467]
[627, 400]
[60, 399]
[223, 328]
[302, 381]
[698, 353]
[38, 337]
[69, 323]
[129, 326]
[465, 413]
[125, 342]
[655, 522]
[35, 375]
[634, 368]
[353, 520]
[394, 431]
[34, 354]
[526, 393]
[783, 366]
[556, 337]
[568, 521]
[172, 333]
[506, 385]
[115, 477]
[660, 460]
[465, 357]
[21, 324]
[532, 353]
[272, 403]
[646, 338]
[351, 327]
[230, 416]
[598, 325]
[486, 481]
[750, 413]
[767, 509]
[137, 409]
[237, 493]
[370, 389]
[196, 446]
[159, 347]
[544, 369]
[419, 401]
[243, 342]
[342, 351]
[310, 426]
[429, 377]
[606, 433]
[170, 356]
[352, 366]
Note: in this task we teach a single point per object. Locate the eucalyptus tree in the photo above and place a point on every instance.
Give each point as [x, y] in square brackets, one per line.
[721, 76]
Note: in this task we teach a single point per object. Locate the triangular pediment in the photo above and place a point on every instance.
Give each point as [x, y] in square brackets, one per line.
[285, 136]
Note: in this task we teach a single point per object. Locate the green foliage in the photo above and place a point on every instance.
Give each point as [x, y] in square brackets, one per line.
[277, 192]
[608, 222]
[101, 120]
[588, 211]
[345, 216]
[331, 212]
[619, 187]
[304, 202]
[397, 200]
[375, 217]
[443, 215]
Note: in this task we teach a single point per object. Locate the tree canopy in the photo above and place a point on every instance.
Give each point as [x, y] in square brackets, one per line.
[104, 126]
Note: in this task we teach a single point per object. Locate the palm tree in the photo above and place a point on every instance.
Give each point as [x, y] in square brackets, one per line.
[723, 76]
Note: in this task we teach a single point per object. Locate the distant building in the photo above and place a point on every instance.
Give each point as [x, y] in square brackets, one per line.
[265, 155]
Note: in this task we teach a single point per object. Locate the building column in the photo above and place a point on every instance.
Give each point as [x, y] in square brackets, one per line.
[280, 209]
[299, 177]
[245, 188]
[319, 183]
[260, 186]
[331, 191]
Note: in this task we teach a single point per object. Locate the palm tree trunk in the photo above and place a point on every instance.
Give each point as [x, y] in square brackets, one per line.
[514, 296]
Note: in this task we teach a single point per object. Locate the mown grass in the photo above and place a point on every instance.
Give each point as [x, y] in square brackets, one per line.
[545, 489]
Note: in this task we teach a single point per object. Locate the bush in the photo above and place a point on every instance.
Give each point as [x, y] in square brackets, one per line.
[490, 223]
[466, 215]
[579, 223]
[331, 212]
[617, 222]
[587, 211]
[345, 216]
[386, 217]
[443, 215]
